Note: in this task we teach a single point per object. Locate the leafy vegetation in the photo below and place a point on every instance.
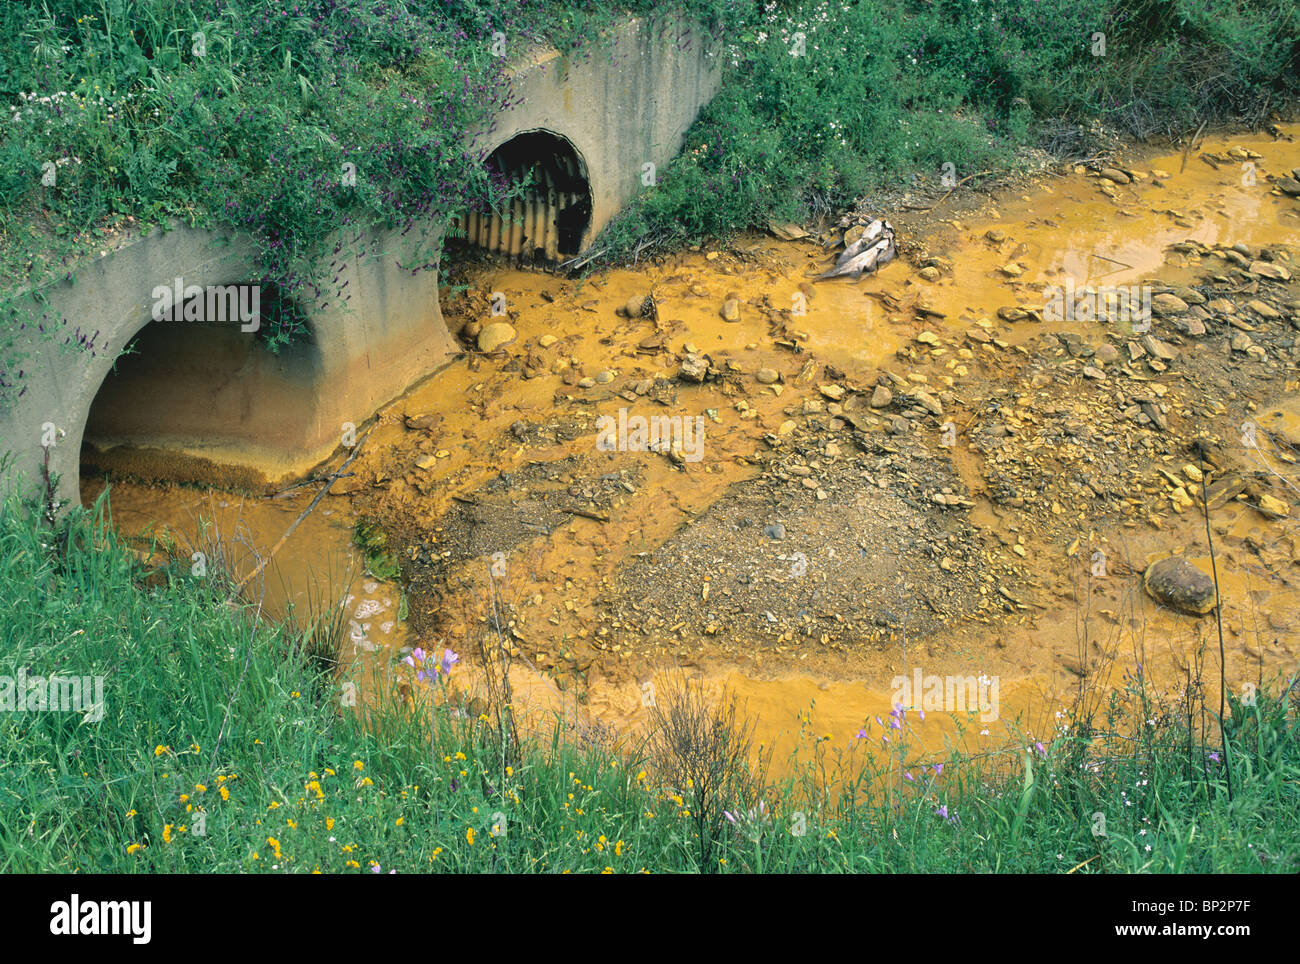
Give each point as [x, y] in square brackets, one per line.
[825, 103]
[215, 719]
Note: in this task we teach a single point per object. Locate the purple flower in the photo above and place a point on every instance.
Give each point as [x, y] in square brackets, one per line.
[862, 734]
[908, 776]
[1040, 748]
[1214, 755]
[449, 659]
[943, 811]
[921, 714]
[416, 655]
[938, 768]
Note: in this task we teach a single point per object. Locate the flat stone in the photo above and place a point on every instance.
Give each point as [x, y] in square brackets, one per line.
[928, 402]
[1167, 304]
[1158, 348]
[1272, 508]
[767, 376]
[731, 310]
[1263, 309]
[1265, 269]
[881, 397]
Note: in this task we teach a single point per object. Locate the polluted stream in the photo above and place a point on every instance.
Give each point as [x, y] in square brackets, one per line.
[922, 474]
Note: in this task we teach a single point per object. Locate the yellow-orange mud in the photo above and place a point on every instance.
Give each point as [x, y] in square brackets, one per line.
[1067, 625]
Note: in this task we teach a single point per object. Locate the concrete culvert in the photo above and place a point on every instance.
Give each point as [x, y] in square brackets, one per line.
[550, 220]
[204, 400]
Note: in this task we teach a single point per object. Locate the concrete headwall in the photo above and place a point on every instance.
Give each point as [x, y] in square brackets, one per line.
[214, 402]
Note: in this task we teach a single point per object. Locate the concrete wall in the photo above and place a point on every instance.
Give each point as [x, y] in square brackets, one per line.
[620, 107]
[214, 404]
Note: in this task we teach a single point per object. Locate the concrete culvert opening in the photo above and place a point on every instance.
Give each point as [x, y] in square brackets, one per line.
[549, 221]
[204, 401]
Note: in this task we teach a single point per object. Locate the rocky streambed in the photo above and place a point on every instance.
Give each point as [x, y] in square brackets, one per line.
[965, 462]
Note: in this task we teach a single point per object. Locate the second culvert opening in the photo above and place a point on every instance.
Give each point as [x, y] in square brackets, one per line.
[548, 221]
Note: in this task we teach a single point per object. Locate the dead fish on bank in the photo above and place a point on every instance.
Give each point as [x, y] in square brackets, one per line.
[867, 253]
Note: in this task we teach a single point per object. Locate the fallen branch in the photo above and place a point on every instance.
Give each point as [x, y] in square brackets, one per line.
[588, 514]
[914, 207]
[298, 521]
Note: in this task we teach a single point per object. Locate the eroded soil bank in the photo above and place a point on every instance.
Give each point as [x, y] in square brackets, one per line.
[917, 470]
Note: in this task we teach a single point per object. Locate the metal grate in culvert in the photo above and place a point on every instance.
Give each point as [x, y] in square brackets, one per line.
[550, 218]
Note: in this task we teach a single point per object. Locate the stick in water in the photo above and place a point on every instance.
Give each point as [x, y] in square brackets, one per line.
[305, 512]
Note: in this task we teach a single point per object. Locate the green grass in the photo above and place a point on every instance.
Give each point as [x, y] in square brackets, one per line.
[201, 697]
[826, 103]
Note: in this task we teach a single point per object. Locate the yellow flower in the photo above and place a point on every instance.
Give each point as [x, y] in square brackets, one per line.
[273, 805]
[159, 750]
[329, 772]
[225, 793]
[194, 747]
[201, 788]
[184, 797]
[167, 833]
[608, 870]
[434, 855]
[459, 755]
[469, 835]
[329, 823]
[130, 814]
[274, 845]
[358, 765]
[353, 863]
[293, 824]
[134, 847]
[510, 771]
[618, 849]
[367, 782]
[398, 821]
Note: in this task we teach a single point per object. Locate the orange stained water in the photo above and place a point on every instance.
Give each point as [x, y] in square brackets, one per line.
[1062, 229]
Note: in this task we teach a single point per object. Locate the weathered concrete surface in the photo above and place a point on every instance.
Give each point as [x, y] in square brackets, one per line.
[621, 108]
[214, 404]
[221, 405]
